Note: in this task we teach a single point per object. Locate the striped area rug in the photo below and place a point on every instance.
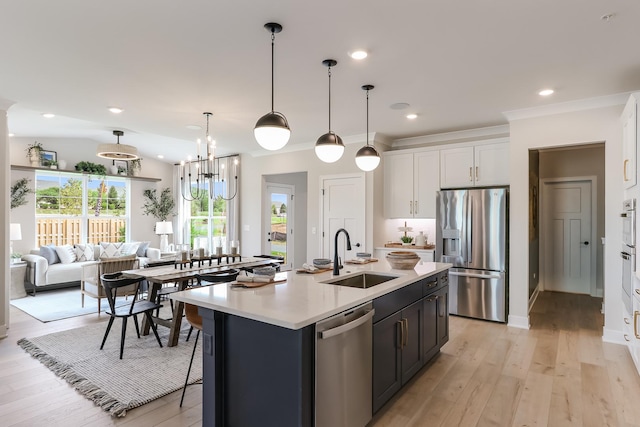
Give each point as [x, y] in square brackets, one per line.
[146, 372]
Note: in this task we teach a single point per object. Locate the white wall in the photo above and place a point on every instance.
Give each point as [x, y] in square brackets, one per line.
[74, 150]
[563, 129]
[4, 220]
[253, 168]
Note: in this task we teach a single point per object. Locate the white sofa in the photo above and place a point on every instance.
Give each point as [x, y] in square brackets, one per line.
[42, 274]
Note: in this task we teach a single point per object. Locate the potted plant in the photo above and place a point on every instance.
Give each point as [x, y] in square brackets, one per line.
[121, 170]
[34, 153]
[161, 207]
[92, 168]
[406, 240]
[50, 164]
[19, 192]
[15, 257]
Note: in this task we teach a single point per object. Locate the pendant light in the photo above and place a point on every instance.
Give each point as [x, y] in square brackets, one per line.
[329, 147]
[367, 157]
[117, 151]
[272, 130]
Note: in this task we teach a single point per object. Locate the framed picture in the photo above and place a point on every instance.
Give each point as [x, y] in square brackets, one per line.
[46, 157]
[122, 167]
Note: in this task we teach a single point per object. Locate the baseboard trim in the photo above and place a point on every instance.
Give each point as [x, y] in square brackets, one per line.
[613, 336]
[521, 322]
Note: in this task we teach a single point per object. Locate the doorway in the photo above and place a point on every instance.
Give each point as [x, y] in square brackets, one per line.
[279, 218]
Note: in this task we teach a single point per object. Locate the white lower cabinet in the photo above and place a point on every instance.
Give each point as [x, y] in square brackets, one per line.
[631, 332]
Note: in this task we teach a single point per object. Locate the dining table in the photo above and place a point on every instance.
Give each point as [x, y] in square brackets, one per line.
[160, 275]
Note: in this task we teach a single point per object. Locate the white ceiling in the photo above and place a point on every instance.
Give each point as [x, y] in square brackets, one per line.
[459, 64]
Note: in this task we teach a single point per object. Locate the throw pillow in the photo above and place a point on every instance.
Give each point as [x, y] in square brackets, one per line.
[84, 252]
[142, 249]
[110, 250]
[49, 253]
[66, 253]
[129, 248]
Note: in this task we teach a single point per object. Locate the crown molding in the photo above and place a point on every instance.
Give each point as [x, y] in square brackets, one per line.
[489, 132]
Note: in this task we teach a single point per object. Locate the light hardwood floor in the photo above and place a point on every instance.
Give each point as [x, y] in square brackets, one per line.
[558, 373]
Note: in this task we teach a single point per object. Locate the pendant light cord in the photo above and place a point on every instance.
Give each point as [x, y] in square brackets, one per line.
[367, 117]
[329, 72]
[273, 38]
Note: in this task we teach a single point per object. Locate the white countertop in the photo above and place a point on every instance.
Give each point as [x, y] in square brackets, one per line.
[404, 248]
[302, 300]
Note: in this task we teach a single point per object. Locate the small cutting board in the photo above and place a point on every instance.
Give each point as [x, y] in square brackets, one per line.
[361, 261]
[316, 271]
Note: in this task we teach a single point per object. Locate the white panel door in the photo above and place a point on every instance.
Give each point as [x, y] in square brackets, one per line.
[566, 232]
[629, 143]
[343, 206]
[278, 221]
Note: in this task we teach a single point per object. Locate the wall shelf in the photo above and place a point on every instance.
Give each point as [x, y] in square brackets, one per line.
[32, 168]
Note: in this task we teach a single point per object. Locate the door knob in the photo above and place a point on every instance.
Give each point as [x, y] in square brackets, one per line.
[586, 243]
[357, 245]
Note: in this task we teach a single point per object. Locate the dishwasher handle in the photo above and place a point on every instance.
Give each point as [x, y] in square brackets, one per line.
[347, 326]
[477, 276]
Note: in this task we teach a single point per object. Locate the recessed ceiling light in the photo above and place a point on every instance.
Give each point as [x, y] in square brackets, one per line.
[116, 110]
[412, 116]
[194, 127]
[399, 106]
[12, 134]
[545, 92]
[48, 115]
[160, 156]
[358, 54]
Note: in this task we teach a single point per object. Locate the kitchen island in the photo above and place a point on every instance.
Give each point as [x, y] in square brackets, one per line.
[259, 343]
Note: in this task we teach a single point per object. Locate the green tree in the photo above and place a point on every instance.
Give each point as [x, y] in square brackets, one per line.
[71, 197]
[283, 208]
[274, 211]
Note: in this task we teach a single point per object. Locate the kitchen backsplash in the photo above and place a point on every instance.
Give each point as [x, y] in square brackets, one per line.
[391, 233]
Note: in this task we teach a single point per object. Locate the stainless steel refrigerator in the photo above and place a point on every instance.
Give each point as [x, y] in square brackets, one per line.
[472, 234]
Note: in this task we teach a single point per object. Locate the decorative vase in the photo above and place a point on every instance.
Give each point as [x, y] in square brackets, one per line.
[62, 164]
[34, 158]
[113, 169]
[421, 239]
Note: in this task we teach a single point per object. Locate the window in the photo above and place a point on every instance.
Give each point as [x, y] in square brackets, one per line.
[73, 208]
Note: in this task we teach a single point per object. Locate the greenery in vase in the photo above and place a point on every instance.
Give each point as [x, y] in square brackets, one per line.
[159, 207]
[19, 192]
[36, 147]
[406, 239]
[135, 164]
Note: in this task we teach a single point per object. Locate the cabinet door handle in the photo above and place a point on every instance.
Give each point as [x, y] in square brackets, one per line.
[432, 284]
[432, 299]
[399, 334]
[405, 334]
[470, 174]
[415, 207]
[638, 291]
[626, 338]
[624, 168]
[477, 173]
[626, 320]
[635, 324]
[410, 207]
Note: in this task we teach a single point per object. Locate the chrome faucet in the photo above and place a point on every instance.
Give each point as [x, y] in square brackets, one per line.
[336, 267]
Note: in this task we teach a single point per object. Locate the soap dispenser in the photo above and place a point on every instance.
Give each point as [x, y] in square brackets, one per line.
[421, 240]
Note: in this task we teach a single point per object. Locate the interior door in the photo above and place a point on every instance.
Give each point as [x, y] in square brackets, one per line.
[278, 221]
[566, 231]
[343, 206]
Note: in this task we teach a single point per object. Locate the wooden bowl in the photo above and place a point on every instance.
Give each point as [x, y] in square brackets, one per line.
[403, 260]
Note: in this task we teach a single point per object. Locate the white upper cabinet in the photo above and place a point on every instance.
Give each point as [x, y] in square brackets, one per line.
[629, 140]
[410, 184]
[480, 165]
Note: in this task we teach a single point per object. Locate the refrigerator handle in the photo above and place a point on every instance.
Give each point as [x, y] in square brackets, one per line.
[469, 230]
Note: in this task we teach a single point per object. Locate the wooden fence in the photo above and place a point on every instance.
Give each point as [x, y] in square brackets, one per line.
[69, 231]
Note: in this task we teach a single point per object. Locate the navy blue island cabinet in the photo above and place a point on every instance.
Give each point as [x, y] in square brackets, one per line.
[256, 374]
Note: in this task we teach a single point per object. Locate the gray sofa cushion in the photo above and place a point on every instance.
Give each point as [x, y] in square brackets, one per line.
[142, 249]
[49, 253]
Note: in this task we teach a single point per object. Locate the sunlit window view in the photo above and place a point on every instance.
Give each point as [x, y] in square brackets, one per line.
[209, 219]
[72, 209]
[279, 225]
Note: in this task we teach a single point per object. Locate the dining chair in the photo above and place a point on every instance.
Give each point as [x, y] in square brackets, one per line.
[111, 284]
[195, 320]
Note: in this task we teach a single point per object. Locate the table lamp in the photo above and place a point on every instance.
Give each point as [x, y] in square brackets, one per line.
[15, 233]
[163, 228]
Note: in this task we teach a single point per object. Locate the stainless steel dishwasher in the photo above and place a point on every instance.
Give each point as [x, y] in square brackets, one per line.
[344, 368]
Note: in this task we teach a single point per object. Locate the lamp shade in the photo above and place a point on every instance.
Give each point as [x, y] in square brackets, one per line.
[329, 147]
[272, 131]
[15, 232]
[164, 227]
[367, 158]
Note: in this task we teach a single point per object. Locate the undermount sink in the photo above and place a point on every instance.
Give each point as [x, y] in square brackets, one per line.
[362, 280]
